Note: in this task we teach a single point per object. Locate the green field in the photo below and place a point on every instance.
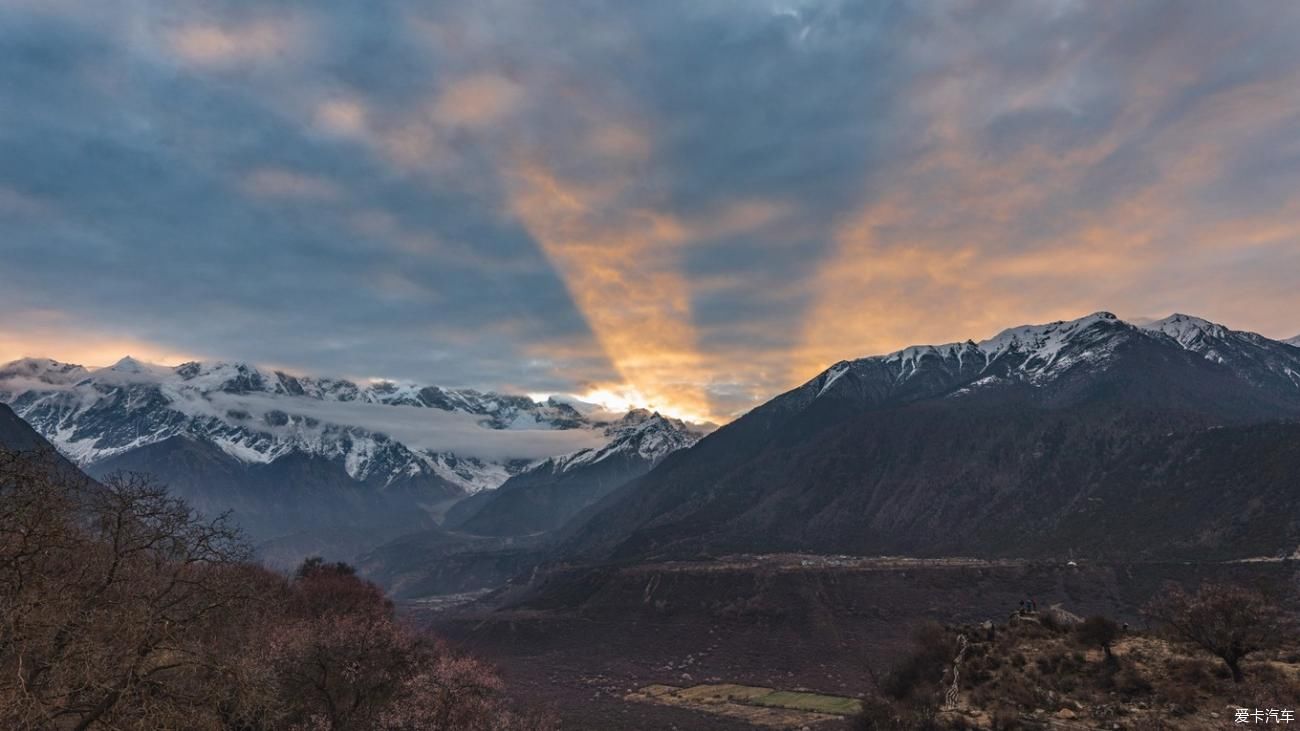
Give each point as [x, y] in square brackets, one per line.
[814, 702]
[771, 698]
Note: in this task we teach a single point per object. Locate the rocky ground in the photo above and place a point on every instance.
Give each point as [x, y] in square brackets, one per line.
[1033, 677]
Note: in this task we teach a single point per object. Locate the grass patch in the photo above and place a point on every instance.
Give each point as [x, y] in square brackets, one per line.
[812, 702]
[722, 692]
[752, 695]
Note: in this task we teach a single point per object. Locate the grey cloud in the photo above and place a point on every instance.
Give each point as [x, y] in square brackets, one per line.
[144, 227]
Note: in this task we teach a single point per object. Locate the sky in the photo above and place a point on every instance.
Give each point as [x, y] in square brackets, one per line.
[689, 205]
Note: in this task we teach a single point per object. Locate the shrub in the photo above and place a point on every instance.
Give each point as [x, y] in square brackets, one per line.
[919, 673]
[1098, 632]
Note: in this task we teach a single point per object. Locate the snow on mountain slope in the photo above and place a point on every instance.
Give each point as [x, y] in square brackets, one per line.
[1038, 354]
[378, 431]
[641, 433]
[1254, 357]
[1045, 350]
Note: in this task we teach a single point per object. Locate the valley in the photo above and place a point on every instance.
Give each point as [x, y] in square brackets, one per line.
[704, 365]
[591, 639]
[767, 573]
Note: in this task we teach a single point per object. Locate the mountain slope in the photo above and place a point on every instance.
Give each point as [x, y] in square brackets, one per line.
[298, 495]
[16, 435]
[1091, 435]
[548, 494]
[23, 451]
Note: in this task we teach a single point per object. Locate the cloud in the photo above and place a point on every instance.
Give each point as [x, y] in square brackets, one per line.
[691, 204]
[216, 45]
[346, 117]
[280, 183]
[417, 428]
[477, 100]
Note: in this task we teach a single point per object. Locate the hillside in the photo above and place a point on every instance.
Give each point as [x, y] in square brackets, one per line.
[1093, 436]
[549, 493]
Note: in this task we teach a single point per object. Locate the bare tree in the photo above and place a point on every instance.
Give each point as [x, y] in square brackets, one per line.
[115, 585]
[122, 608]
[1228, 621]
[1098, 632]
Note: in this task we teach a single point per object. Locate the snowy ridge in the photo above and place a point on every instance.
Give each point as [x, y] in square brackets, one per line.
[1042, 345]
[649, 436]
[1037, 354]
[379, 432]
[1189, 331]
[910, 359]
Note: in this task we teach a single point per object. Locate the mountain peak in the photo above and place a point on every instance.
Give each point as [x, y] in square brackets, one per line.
[1187, 329]
[1045, 341]
[128, 365]
[43, 370]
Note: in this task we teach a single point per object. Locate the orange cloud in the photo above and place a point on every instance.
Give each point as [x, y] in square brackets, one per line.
[620, 266]
[939, 257]
[89, 349]
[477, 101]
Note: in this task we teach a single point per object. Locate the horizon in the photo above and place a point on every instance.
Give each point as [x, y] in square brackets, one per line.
[612, 406]
[689, 207]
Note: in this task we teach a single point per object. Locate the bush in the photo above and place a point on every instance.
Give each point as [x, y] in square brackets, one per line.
[1231, 622]
[920, 672]
[1098, 632]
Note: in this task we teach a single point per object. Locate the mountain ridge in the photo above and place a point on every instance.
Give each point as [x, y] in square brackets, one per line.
[258, 415]
[791, 473]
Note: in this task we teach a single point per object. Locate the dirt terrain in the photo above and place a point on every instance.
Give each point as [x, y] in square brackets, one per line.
[582, 640]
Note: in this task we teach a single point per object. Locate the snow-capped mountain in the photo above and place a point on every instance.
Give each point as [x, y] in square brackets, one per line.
[544, 496]
[648, 436]
[1040, 355]
[380, 431]
[1096, 435]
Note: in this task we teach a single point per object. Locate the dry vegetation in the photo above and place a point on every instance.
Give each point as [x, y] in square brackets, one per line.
[1207, 653]
[120, 608]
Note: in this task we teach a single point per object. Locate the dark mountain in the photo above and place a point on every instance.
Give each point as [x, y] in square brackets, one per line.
[547, 495]
[19, 441]
[298, 499]
[1092, 436]
[17, 436]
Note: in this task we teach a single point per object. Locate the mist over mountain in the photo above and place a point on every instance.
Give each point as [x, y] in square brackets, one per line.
[298, 455]
[549, 493]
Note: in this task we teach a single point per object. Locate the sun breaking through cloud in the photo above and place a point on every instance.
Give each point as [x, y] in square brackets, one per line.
[687, 206]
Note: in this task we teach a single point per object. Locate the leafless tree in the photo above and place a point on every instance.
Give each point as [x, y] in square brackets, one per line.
[122, 608]
[1226, 620]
